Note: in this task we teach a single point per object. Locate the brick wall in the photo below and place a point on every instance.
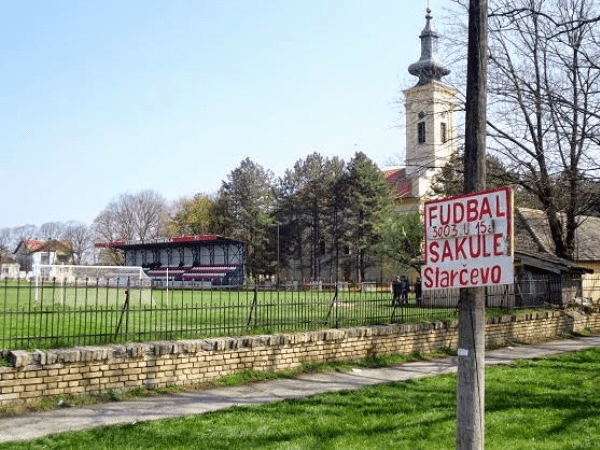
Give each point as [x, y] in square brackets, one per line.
[91, 370]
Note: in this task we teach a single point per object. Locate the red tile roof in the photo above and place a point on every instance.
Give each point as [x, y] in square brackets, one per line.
[34, 245]
[397, 178]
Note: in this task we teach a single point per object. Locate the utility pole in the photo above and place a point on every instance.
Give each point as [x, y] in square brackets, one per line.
[470, 395]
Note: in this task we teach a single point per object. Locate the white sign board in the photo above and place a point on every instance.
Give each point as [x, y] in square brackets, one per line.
[468, 240]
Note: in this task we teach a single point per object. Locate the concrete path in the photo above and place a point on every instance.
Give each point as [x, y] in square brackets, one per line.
[35, 425]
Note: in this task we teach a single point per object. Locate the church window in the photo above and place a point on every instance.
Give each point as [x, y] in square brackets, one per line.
[421, 132]
[443, 132]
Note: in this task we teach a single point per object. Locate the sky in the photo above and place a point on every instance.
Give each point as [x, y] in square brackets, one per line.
[103, 98]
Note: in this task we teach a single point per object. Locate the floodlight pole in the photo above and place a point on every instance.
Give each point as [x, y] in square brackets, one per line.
[470, 394]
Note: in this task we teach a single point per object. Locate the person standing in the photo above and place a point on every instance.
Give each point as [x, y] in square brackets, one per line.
[404, 290]
[418, 292]
[396, 292]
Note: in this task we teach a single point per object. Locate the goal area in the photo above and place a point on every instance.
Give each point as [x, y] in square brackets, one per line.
[68, 283]
[104, 275]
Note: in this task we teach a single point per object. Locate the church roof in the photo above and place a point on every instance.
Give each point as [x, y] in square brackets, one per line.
[429, 67]
[397, 179]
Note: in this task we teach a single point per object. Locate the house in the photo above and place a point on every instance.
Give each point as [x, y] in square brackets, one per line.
[33, 252]
[9, 269]
[535, 238]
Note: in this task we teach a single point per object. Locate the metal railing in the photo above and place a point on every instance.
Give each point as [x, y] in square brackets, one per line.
[53, 313]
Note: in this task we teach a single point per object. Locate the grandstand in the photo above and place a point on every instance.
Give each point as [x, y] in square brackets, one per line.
[185, 260]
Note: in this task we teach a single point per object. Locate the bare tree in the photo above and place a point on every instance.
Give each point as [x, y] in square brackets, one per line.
[140, 216]
[151, 215]
[78, 234]
[23, 232]
[5, 242]
[6, 238]
[51, 231]
[544, 105]
[107, 225]
[544, 80]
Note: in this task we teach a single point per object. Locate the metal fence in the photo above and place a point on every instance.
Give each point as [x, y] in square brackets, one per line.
[53, 313]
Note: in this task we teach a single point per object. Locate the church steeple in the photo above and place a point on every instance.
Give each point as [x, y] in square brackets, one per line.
[430, 116]
[429, 67]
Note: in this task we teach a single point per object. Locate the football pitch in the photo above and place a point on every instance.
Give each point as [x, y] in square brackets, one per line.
[55, 315]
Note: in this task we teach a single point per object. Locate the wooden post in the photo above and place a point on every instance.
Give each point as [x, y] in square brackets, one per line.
[470, 395]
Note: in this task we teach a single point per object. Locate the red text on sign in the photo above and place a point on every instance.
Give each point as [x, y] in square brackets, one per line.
[439, 278]
[468, 247]
[471, 210]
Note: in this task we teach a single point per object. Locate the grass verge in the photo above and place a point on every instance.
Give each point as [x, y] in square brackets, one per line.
[248, 376]
[547, 404]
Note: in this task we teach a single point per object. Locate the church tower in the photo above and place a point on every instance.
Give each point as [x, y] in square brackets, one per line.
[430, 116]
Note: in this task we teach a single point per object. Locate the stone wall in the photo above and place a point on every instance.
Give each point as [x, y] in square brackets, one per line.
[92, 370]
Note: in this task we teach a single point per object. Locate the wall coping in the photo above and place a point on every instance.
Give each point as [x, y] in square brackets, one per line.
[92, 354]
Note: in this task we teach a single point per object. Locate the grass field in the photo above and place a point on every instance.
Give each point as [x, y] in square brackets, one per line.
[549, 404]
[53, 315]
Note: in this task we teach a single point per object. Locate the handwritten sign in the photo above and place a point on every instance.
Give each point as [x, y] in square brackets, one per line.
[468, 240]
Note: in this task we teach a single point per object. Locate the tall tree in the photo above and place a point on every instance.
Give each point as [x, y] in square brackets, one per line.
[6, 239]
[245, 207]
[305, 213]
[139, 216]
[363, 196]
[150, 213]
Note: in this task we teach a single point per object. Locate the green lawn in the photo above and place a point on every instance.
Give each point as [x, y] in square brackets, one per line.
[550, 404]
[52, 315]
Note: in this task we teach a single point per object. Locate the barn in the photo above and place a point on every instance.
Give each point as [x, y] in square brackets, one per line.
[206, 259]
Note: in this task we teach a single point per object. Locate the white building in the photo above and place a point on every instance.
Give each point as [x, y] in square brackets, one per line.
[32, 252]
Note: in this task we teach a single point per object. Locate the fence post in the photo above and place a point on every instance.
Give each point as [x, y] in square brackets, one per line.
[127, 310]
[124, 311]
[254, 305]
[337, 318]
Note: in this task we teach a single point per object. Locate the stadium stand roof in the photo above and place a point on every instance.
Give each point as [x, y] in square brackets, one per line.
[167, 241]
